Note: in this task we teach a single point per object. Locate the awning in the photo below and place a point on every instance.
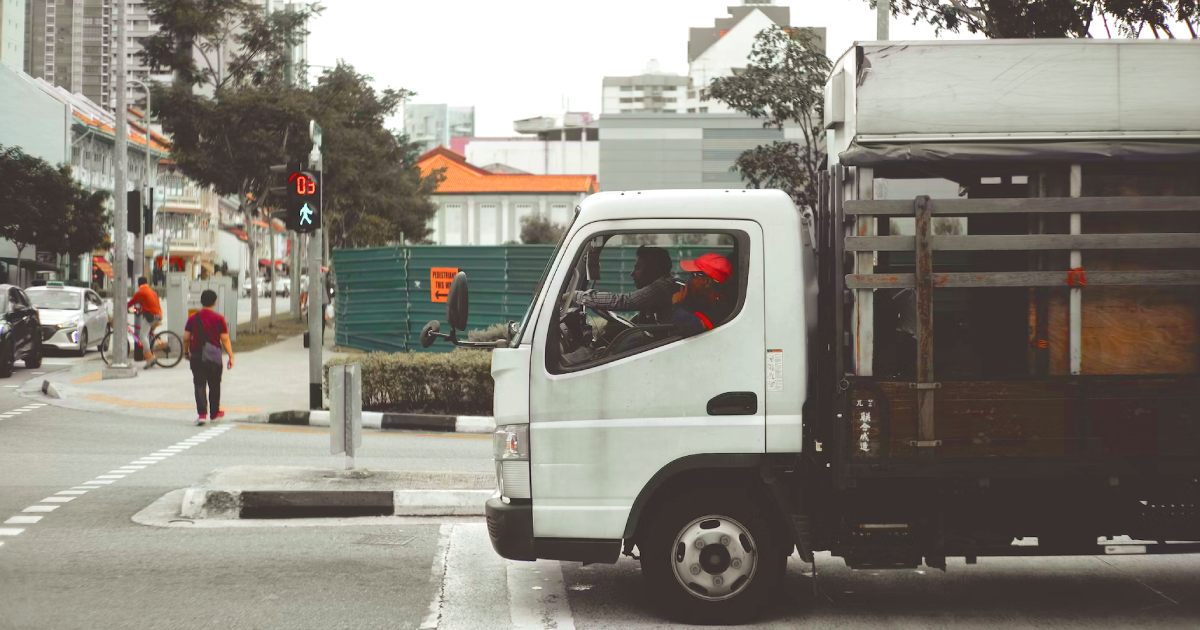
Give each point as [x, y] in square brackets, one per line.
[103, 265]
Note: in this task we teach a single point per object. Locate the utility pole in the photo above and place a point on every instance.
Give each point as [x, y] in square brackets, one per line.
[120, 367]
[883, 16]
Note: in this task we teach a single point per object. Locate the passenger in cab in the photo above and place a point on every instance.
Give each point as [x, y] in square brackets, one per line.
[709, 297]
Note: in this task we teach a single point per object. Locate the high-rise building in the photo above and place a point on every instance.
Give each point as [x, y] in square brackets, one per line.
[68, 43]
[432, 126]
[651, 91]
[12, 33]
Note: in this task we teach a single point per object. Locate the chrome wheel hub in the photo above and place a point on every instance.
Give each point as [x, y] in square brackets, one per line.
[714, 557]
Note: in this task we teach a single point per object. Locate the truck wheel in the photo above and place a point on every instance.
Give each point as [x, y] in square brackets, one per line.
[711, 557]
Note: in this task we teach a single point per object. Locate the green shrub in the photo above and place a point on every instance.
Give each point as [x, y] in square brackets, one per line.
[491, 333]
[456, 383]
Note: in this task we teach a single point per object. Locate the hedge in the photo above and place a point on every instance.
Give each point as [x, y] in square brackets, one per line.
[455, 383]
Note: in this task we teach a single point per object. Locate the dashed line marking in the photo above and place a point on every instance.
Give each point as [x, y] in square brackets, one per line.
[100, 481]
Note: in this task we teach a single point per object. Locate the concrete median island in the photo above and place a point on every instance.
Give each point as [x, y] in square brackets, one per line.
[274, 492]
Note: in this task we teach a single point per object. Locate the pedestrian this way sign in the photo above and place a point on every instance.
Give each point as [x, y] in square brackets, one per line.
[440, 279]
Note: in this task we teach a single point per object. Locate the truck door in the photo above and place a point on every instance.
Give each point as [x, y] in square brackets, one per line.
[602, 423]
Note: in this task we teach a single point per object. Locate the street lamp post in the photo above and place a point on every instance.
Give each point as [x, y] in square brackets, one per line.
[139, 259]
[120, 362]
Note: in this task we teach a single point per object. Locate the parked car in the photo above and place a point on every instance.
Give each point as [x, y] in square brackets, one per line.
[262, 288]
[20, 337]
[72, 318]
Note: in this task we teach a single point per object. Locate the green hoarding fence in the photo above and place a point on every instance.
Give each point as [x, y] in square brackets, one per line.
[384, 298]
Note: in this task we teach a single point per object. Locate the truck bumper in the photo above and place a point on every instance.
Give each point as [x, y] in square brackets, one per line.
[510, 527]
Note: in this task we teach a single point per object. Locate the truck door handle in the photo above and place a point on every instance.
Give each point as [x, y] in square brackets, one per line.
[734, 404]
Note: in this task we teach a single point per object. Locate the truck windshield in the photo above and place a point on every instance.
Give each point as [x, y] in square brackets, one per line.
[516, 340]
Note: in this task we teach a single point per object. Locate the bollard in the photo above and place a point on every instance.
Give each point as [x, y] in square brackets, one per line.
[345, 411]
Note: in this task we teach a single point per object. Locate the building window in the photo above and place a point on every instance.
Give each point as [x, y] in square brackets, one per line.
[691, 110]
[454, 224]
[668, 111]
[626, 88]
[670, 99]
[560, 213]
[522, 212]
[489, 228]
[669, 88]
[703, 110]
[627, 100]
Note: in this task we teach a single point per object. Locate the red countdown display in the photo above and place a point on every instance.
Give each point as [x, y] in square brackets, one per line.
[304, 184]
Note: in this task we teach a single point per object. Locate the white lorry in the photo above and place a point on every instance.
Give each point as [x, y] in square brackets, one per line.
[1055, 406]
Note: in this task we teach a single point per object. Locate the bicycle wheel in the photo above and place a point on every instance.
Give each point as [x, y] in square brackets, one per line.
[168, 349]
[106, 350]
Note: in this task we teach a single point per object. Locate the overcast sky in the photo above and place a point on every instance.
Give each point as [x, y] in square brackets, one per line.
[518, 59]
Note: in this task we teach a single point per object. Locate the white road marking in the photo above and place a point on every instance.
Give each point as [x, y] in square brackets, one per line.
[72, 492]
[57, 499]
[439, 574]
[40, 508]
[132, 468]
[11, 386]
[155, 458]
[10, 531]
[476, 579]
[110, 476]
[84, 487]
[37, 372]
[104, 481]
[23, 520]
[39, 404]
[163, 454]
[537, 598]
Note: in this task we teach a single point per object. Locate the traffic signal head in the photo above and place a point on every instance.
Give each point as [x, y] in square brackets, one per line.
[303, 203]
[133, 211]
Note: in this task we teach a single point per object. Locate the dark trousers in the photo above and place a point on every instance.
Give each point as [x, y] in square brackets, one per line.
[207, 375]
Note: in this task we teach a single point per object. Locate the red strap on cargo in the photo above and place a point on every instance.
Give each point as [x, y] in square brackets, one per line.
[704, 320]
[1077, 277]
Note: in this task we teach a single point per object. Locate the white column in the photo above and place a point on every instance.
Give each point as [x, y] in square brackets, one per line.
[1076, 343]
[883, 16]
[470, 223]
[505, 224]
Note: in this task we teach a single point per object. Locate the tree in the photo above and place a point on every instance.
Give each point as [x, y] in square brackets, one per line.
[374, 192]
[38, 199]
[88, 222]
[254, 119]
[536, 230]
[784, 83]
[1050, 18]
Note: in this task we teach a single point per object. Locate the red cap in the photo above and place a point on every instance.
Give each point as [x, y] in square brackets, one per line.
[714, 266]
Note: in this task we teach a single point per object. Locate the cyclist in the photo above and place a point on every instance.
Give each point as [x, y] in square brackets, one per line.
[151, 314]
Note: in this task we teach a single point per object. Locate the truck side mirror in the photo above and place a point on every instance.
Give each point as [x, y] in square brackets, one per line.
[456, 303]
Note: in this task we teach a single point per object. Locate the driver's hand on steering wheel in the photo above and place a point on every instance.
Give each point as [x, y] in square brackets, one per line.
[680, 296]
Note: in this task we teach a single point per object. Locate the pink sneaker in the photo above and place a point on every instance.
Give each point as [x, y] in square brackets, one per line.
[200, 421]
[218, 415]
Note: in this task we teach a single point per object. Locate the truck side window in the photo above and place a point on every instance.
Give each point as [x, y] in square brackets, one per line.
[630, 292]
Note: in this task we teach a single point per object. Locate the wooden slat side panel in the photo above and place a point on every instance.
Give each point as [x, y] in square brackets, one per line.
[1067, 205]
[1007, 419]
[1030, 242]
[1026, 279]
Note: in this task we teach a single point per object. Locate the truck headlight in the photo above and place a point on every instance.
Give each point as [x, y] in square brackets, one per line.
[510, 449]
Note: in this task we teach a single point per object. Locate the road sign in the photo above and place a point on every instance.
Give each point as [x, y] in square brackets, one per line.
[440, 279]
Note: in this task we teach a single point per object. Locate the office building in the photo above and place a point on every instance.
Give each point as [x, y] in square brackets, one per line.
[433, 126]
[69, 44]
[549, 145]
[651, 91]
[12, 33]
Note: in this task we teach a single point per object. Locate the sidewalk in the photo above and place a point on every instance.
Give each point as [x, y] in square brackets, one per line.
[273, 378]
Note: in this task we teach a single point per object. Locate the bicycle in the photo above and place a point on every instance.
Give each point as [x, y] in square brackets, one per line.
[168, 347]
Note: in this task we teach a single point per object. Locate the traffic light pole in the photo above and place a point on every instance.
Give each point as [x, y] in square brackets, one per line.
[316, 310]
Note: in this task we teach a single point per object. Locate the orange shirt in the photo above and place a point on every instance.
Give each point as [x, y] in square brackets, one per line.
[148, 299]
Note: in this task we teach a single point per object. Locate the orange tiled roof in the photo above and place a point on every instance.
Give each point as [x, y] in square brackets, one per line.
[135, 136]
[462, 177]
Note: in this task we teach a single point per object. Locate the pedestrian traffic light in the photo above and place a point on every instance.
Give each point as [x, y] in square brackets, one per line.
[299, 197]
[133, 211]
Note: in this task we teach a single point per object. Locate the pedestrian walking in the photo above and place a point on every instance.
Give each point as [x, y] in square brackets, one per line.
[203, 337]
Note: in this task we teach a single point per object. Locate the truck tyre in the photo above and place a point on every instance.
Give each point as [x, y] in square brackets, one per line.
[711, 557]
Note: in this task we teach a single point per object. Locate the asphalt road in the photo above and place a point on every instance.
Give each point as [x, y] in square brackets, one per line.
[86, 564]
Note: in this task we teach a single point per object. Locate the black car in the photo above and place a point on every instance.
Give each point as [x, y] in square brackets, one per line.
[20, 331]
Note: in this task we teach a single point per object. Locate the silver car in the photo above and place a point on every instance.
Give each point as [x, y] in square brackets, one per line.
[72, 318]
